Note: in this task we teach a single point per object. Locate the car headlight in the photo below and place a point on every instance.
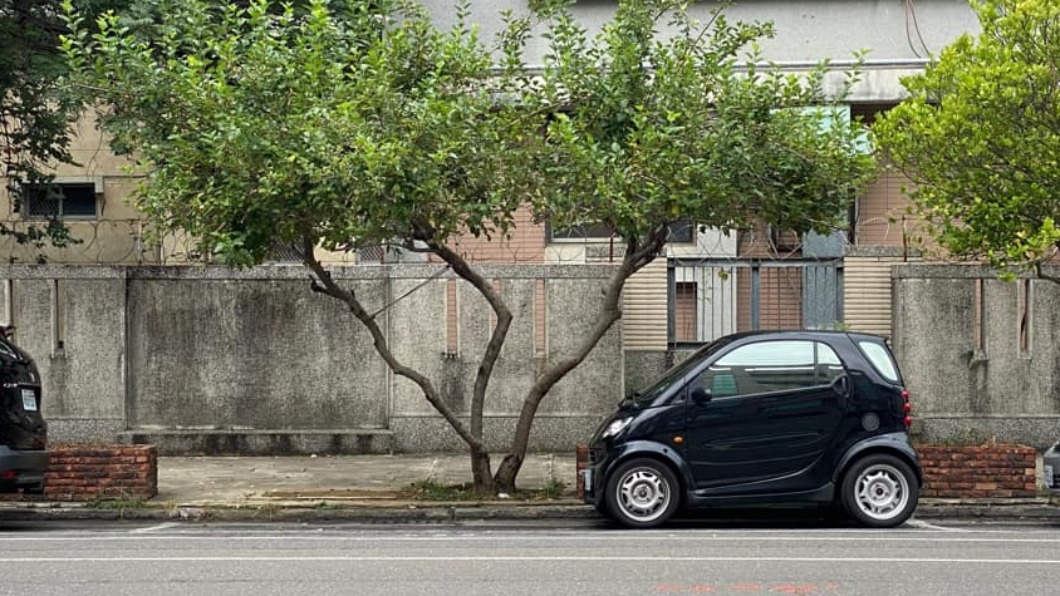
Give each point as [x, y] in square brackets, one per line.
[616, 427]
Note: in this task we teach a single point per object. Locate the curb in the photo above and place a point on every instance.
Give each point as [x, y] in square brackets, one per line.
[420, 512]
[375, 512]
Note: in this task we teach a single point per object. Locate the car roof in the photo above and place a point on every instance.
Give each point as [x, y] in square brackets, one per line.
[800, 333]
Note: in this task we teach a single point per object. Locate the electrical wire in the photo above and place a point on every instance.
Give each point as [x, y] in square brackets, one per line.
[912, 26]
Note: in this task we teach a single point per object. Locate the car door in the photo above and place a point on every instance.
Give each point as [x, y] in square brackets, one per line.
[762, 415]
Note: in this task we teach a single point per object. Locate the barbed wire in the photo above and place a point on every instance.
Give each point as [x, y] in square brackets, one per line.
[114, 241]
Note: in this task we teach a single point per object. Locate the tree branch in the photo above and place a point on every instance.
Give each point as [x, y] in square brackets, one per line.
[493, 349]
[636, 257]
[325, 284]
[1042, 275]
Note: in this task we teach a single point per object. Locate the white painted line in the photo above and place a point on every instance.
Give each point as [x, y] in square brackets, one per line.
[942, 538]
[524, 559]
[157, 528]
[919, 523]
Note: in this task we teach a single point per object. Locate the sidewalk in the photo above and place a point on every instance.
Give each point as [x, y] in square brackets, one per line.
[373, 488]
[203, 481]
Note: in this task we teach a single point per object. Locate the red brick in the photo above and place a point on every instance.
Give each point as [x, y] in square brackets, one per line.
[86, 473]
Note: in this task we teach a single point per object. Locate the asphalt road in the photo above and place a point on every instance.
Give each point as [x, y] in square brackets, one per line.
[539, 558]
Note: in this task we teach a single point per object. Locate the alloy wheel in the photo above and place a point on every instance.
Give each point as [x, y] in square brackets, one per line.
[643, 494]
[882, 492]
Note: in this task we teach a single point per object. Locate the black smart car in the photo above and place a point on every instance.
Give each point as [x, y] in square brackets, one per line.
[23, 433]
[764, 417]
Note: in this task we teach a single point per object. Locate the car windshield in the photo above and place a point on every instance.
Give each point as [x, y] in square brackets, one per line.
[646, 396]
[8, 351]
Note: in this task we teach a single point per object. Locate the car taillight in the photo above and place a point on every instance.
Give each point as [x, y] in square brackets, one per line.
[907, 408]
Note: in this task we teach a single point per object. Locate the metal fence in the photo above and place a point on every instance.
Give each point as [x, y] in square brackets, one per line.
[712, 298]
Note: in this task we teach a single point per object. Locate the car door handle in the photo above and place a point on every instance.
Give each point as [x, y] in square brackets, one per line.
[841, 385]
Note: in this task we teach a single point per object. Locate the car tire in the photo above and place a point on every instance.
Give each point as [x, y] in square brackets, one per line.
[880, 491]
[642, 493]
[604, 510]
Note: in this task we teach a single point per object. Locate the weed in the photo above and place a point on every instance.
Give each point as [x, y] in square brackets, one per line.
[429, 490]
[553, 489]
[104, 503]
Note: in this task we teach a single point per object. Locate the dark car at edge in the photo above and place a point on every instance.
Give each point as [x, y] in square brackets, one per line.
[814, 417]
[23, 432]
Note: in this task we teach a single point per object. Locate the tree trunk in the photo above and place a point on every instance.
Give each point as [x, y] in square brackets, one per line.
[489, 359]
[507, 471]
[636, 257]
[480, 470]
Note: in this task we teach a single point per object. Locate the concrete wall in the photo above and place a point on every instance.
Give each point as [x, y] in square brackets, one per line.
[201, 349]
[254, 352]
[962, 359]
[573, 408]
[72, 320]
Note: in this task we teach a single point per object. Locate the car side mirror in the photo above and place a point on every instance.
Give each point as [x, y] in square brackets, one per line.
[700, 396]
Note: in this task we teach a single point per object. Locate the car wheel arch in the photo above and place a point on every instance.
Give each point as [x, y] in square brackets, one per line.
[680, 472]
[854, 455]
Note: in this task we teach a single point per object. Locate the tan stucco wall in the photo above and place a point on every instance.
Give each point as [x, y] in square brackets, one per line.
[114, 236]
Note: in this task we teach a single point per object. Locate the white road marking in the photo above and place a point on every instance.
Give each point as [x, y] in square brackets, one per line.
[626, 538]
[157, 528]
[524, 559]
[919, 523]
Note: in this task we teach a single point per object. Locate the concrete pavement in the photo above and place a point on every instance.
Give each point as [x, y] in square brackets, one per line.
[199, 481]
[376, 488]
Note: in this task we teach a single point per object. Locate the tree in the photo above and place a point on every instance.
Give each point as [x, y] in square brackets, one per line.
[35, 113]
[980, 138]
[371, 126]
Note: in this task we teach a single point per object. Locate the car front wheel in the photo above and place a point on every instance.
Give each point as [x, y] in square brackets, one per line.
[642, 493]
[880, 491]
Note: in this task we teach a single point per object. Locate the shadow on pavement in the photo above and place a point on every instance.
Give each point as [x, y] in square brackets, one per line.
[774, 518]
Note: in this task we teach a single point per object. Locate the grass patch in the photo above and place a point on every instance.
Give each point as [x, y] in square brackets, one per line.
[117, 504]
[428, 490]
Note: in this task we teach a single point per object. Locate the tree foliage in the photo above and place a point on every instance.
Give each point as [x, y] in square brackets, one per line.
[257, 127]
[980, 137]
[353, 123]
[650, 130]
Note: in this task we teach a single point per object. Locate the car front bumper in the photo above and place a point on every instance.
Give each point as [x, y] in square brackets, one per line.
[1051, 468]
[594, 474]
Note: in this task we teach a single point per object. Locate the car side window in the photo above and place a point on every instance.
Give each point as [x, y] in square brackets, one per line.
[829, 366]
[770, 366]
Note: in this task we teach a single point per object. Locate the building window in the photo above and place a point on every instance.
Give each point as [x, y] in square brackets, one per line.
[679, 232]
[60, 200]
[685, 328]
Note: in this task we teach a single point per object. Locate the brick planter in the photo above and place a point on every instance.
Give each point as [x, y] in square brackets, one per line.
[79, 473]
[986, 471]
